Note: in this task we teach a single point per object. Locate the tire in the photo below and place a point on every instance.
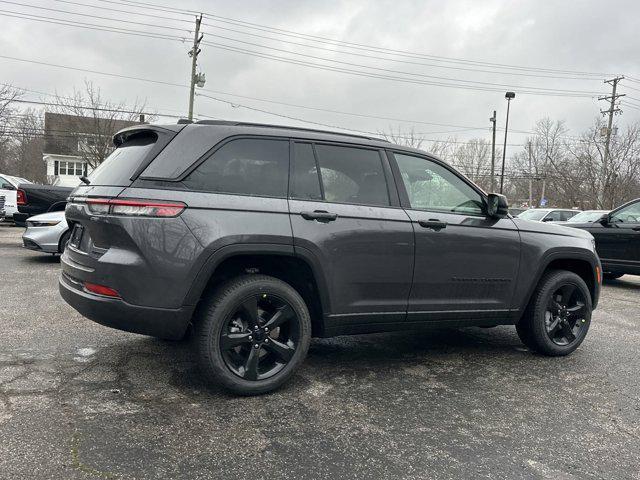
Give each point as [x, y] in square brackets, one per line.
[226, 309]
[611, 276]
[542, 315]
[64, 239]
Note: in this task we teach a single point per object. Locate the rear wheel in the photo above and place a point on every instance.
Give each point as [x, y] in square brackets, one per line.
[252, 334]
[558, 316]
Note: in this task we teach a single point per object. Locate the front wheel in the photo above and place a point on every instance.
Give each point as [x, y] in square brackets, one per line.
[252, 334]
[558, 316]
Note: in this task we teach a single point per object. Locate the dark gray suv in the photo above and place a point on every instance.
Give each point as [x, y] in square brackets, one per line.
[263, 236]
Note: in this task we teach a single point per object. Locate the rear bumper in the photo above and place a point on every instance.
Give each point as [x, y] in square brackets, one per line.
[170, 324]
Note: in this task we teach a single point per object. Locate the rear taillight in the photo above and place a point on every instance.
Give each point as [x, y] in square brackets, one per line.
[134, 208]
[100, 290]
[21, 197]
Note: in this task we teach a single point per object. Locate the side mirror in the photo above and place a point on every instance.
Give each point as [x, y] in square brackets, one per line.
[605, 219]
[7, 186]
[548, 219]
[497, 205]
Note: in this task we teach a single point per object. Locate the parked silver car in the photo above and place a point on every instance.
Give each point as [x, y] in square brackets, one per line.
[548, 214]
[47, 232]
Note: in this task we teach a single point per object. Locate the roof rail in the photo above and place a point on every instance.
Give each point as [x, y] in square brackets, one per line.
[283, 127]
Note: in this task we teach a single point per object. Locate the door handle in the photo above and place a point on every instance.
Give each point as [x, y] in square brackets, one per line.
[433, 224]
[319, 215]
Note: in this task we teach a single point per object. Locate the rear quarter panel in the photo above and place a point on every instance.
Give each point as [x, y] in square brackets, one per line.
[217, 221]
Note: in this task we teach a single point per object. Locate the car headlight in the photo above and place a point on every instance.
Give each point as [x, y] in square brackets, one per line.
[43, 224]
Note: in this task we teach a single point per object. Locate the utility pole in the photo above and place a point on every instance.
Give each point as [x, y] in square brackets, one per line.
[193, 53]
[493, 153]
[530, 177]
[613, 110]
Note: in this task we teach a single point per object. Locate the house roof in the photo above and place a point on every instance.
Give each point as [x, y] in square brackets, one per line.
[63, 131]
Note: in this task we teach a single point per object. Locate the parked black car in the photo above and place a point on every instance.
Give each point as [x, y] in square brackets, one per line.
[617, 236]
[264, 236]
[35, 199]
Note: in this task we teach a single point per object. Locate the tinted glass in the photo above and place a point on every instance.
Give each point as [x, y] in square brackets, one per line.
[248, 166]
[432, 187]
[352, 175]
[630, 214]
[118, 167]
[305, 183]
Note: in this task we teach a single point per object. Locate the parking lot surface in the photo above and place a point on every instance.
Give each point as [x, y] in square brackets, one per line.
[78, 400]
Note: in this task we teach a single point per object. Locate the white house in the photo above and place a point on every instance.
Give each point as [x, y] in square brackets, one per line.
[70, 141]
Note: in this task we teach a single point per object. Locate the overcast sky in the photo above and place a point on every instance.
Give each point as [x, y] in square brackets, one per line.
[578, 36]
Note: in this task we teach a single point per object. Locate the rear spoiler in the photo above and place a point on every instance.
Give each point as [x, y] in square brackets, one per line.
[123, 135]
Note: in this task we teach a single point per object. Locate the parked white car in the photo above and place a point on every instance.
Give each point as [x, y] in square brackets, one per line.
[8, 190]
[47, 233]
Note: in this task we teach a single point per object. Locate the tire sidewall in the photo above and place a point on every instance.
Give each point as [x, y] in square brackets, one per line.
[226, 304]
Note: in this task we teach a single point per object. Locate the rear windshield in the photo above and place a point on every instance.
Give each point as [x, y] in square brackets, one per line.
[118, 167]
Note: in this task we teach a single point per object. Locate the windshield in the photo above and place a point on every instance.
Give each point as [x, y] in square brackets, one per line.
[533, 214]
[584, 217]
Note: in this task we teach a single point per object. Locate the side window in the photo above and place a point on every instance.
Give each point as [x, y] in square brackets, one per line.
[432, 187]
[248, 166]
[566, 215]
[553, 216]
[352, 175]
[305, 182]
[629, 214]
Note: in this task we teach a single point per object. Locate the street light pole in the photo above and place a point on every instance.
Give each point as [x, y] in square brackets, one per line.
[508, 96]
[493, 153]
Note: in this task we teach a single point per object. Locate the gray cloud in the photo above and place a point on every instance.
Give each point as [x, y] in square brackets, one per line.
[535, 33]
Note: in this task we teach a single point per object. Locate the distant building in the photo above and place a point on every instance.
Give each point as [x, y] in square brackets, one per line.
[70, 140]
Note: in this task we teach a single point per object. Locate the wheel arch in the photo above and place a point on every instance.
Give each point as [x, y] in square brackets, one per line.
[580, 263]
[279, 261]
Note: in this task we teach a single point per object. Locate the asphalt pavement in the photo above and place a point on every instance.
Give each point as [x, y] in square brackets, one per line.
[81, 401]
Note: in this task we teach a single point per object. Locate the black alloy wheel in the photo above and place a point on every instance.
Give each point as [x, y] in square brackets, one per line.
[260, 337]
[565, 315]
[252, 333]
[558, 316]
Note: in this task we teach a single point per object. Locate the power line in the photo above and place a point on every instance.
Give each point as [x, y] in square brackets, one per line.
[473, 85]
[320, 39]
[248, 97]
[326, 125]
[305, 45]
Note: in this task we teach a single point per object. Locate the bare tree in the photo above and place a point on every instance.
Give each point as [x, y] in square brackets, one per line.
[409, 138]
[8, 95]
[27, 146]
[619, 180]
[100, 120]
[473, 158]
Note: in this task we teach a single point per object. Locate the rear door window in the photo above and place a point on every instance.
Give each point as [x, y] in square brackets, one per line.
[247, 166]
[122, 163]
[305, 182]
[352, 175]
